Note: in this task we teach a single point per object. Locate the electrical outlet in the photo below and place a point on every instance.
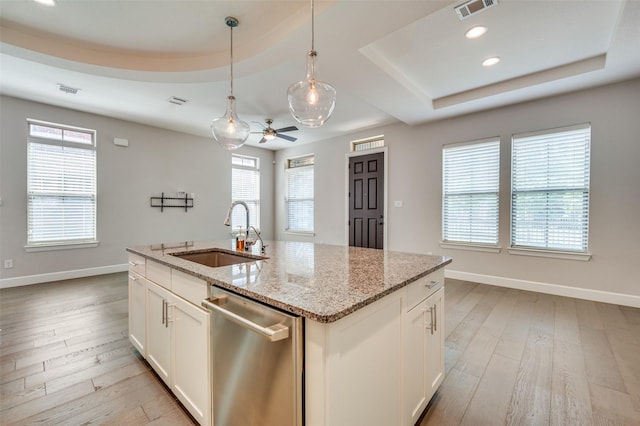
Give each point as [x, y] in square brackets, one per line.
[8, 263]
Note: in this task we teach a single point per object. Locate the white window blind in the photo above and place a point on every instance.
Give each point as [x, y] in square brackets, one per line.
[61, 185]
[299, 198]
[470, 202]
[550, 189]
[245, 186]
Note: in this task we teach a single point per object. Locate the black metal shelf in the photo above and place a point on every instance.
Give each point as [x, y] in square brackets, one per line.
[172, 202]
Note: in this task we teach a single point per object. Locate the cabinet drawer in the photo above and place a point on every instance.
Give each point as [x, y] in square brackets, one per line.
[424, 287]
[159, 274]
[188, 287]
[137, 264]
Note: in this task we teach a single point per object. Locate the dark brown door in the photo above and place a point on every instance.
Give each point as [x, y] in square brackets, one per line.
[366, 201]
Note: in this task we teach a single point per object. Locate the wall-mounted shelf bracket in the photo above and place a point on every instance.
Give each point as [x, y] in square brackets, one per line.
[164, 202]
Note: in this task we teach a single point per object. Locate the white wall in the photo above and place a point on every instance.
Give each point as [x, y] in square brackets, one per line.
[156, 160]
[414, 155]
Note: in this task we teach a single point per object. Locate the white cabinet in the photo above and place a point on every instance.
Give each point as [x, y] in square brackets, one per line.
[435, 343]
[137, 311]
[172, 332]
[178, 349]
[353, 367]
[158, 331]
[191, 358]
[380, 365]
[415, 364]
[423, 354]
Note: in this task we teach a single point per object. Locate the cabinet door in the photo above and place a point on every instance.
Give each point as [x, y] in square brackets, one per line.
[415, 356]
[137, 311]
[192, 360]
[365, 366]
[158, 330]
[435, 342]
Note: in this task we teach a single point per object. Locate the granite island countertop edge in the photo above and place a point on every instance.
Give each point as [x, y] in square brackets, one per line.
[288, 306]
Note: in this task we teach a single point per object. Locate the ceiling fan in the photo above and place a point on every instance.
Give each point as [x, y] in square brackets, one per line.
[269, 133]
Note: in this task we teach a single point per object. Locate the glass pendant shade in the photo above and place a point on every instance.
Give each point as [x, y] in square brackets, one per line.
[230, 132]
[311, 102]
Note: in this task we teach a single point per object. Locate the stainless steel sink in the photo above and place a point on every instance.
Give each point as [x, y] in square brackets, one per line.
[216, 257]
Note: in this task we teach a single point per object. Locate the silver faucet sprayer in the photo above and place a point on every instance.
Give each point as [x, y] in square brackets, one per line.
[248, 242]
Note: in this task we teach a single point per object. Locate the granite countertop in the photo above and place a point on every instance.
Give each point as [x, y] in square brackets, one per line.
[318, 281]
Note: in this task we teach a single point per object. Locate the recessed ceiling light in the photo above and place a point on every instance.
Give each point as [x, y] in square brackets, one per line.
[490, 61]
[475, 32]
[46, 2]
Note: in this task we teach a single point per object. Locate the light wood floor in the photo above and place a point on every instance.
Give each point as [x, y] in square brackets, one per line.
[512, 357]
[522, 358]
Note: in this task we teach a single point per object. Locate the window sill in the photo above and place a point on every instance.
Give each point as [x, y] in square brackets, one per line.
[469, 246]
[555, 254]
[51, 247]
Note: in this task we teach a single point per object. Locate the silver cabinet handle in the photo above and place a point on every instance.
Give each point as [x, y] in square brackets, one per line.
[164, 310]
[430, 326]
[132, 278]
[435, 318]
[432, 284]
[133, 263]
[273, 333]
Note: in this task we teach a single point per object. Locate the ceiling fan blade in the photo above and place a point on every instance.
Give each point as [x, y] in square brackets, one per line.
[263, 140]
[259, 124]
[287, 137]
[287, 129]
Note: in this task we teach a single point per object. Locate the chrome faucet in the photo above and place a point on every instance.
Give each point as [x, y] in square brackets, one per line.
[248, 242]
[262, 244]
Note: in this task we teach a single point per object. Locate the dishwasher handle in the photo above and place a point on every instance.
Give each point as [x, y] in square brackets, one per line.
[274, 332]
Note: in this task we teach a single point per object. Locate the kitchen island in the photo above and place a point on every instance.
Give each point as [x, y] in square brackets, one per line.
[373, 340]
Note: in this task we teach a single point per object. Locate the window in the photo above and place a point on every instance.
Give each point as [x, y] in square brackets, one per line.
[61, 185]
[550, 189]
[245, 186]
[471, 175]
[366, 144]
[299, 194]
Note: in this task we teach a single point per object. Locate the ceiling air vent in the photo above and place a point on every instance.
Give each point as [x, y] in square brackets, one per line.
[472, 7]
[177, 101]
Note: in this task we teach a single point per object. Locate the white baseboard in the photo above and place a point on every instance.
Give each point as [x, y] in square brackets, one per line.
[555, 289]
[62, 275]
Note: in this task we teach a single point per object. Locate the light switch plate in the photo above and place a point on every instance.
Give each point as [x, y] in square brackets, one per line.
[398, 203]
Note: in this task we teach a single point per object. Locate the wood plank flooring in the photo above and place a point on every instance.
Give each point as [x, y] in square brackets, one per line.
[512, 357]
[65, 358]
[522, 358]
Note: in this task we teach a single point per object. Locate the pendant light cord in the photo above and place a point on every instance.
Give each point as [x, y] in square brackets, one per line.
[312, 28]
[231, 65]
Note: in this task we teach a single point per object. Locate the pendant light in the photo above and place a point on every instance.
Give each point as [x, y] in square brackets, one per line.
[229, 130]
[311, 102]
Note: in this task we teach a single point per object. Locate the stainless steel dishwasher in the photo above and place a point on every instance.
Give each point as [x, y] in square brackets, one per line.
[257, 362]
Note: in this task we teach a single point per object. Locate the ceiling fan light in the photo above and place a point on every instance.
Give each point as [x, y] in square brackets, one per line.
[311, 102]
[230, 132]
[269, 136]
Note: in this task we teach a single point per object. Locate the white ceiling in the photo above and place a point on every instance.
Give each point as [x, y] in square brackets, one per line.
[390, 60]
